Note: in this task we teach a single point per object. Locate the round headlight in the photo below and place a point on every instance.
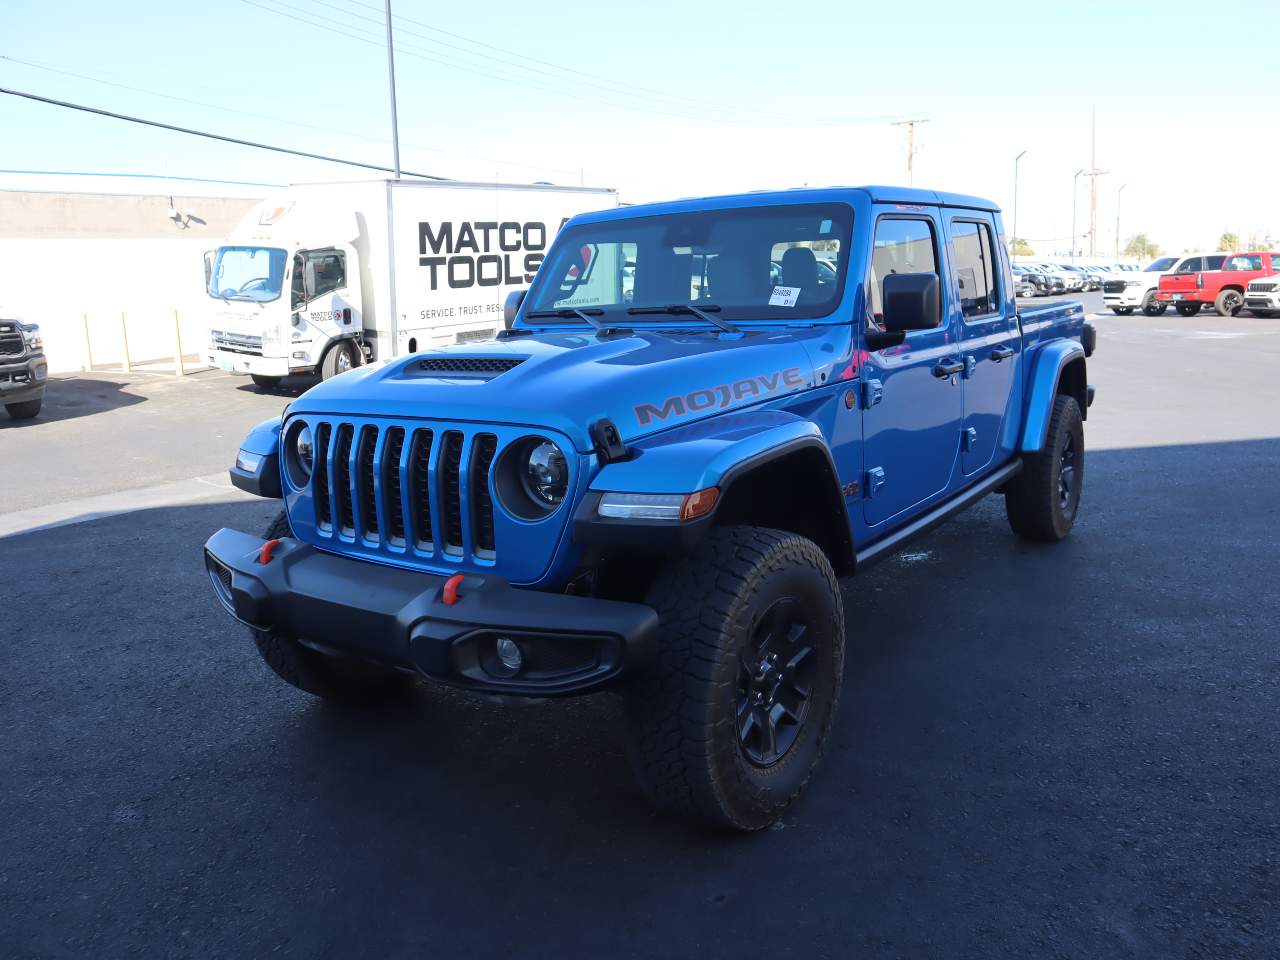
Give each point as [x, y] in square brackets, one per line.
[546, 474]
[306, 451]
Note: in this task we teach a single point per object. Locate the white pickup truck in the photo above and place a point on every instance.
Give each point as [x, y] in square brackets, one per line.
[1137, 290]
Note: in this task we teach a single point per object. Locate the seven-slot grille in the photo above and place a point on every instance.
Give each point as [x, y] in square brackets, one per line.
[1261, 287]
[405, 486]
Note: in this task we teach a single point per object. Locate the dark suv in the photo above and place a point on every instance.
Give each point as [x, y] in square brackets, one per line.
[23, 369]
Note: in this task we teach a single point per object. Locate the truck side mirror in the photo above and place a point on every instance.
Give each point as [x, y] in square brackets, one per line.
[208, 268]
[309, 279]
[512, 307]
[912, 301]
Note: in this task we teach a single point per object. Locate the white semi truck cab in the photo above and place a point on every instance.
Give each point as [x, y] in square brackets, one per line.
[325, 277]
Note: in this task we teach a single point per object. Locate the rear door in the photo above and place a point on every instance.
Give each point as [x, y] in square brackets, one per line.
[988, 325]
[911, 412]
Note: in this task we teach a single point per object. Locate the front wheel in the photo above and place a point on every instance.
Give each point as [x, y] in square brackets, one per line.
[334, 678]
[1152, 307]
[1228, 302]
[1188, 309]
[1043, 500]
[729, 723]
[24, 410]
[340, 358]
[1122, 311]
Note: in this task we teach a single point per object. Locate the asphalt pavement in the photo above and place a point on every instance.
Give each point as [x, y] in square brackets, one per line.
[1042, 751]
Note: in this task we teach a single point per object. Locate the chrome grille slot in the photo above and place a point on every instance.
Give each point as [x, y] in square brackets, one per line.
[320, 483]
[483, 451]
[420, 487]
[342, 478]
[393, 494]
[451, 489]
[364, 481]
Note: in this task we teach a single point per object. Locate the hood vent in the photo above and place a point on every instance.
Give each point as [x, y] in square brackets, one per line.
[469, 366]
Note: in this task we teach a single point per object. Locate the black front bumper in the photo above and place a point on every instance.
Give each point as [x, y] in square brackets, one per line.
[24, 379]
[399, 618]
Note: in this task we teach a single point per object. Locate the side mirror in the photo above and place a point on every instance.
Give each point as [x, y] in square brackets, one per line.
[512, 307]
[309, 278]
[912, 301]
[208, 268]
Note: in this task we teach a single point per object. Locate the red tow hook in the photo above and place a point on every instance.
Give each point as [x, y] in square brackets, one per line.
[268, 548]
[450, 592]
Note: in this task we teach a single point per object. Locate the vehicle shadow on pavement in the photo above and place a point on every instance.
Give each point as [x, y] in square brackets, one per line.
[1059, 750]
[69, 397]
[288, 387]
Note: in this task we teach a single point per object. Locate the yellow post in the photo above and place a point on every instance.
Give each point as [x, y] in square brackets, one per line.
[124, 336]
[178, 371]
[88, 346]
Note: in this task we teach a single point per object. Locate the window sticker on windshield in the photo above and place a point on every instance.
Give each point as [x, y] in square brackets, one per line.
[784, 296]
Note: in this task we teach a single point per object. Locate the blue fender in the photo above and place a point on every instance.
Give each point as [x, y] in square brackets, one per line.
[1050, 360]
[263, 439]
[259, 473]
[701, 454]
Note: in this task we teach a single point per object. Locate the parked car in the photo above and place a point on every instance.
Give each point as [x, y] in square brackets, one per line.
[1126, 294]
[1079, 278]
[1220, 281]
[1262, 297]
[1056, 281]
[658, 496]
[23, 368]
[1037, 283]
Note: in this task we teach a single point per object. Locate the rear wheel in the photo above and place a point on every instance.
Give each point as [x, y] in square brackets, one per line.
[265, 383]
[25, 409]
[1228, 302]
[1153, 307]
[1122, 311]
[340, 358]
[334, 678]
[1188, 309]
[729, 723]
[1043, 500]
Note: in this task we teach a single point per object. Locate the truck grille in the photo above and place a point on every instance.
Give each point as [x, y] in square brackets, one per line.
[406, 488]
[1113, 286]
[1261, 287]
[236, 342]
[11, 344]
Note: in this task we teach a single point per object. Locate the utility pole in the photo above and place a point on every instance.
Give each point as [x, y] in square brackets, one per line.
[1118, 192]
[391, 74]
[1075, 180]
[1094, 174]
[1014, 245]
[911, 145]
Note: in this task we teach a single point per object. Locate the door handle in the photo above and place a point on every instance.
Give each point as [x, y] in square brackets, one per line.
[1002, 353]
[948, 368]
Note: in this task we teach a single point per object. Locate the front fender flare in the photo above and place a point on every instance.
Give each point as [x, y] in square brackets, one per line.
[1046, 373]
[264, 480]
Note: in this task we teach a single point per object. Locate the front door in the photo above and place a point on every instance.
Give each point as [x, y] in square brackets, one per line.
[989, 340]
[912, 430]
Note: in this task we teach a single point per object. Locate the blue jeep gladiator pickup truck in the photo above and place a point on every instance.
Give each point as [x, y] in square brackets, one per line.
[700, 415]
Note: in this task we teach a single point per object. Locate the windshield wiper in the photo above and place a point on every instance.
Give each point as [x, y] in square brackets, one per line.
[702, 313]
[588, 316]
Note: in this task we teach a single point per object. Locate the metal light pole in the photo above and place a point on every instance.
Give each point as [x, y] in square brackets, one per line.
[1074, 182]
[1118, 192]
[1015, 199]
[391, 75]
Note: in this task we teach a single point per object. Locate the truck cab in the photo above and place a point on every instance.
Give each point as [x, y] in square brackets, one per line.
[700, 415]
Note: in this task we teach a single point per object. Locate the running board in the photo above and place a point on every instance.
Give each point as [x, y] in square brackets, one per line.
[943, 511]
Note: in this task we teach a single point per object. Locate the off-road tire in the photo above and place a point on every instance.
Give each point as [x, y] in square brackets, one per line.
[682, 713]
[1152, 307]
[1033, 500]
[333, 363]
[338, 679]
[1188, 309]
[1228, 302]
[265, 383]
[1122, 311]
[25, 409]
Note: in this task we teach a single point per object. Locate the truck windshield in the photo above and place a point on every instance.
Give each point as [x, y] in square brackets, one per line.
[1161, 265]
[247, 273]
[752, 263]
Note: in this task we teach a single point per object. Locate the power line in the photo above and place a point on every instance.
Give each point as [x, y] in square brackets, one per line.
[206, 134]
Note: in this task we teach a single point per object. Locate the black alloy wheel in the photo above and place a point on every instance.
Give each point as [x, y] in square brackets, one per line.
[775, 679]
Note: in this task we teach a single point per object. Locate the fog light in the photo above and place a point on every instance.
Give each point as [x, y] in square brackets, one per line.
[509, 654]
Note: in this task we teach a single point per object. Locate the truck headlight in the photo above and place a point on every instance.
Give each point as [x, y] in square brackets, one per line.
[31, 334]
[546, 474]
[1133, 283]
[306, 452]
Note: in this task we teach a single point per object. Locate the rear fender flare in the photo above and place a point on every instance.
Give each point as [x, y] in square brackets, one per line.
[1051, 361]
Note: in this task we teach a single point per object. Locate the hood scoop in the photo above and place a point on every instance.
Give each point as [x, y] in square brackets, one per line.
[478, 368]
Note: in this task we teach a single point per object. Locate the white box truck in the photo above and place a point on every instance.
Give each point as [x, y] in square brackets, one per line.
[326, 276]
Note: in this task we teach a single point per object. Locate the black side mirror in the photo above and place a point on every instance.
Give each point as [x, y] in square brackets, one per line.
[912, 301]
[512, 307]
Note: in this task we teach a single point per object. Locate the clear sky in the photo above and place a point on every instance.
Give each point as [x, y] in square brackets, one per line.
[676, 98]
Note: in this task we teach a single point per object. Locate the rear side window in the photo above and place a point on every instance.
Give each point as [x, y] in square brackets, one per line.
[1245, 262]
[975, 268]
[1190, 265]
[1214, 263]
[901, 246]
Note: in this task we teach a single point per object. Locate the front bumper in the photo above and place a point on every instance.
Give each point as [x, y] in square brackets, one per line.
[1261, 301]
[24, 379]
[1128, 297]
[399, 618]
[247, 363]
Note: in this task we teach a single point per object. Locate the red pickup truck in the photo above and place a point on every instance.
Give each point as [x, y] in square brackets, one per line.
[1219, 279]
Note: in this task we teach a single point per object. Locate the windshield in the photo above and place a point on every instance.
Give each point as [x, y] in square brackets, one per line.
[247, 273]
[1161, 265]
[754, 263]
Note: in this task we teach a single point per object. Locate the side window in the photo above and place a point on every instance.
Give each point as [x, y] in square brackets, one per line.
[331, 272]
[975, 268]
[901, 246]
[1245, 262]
[1189, 265]
[1213, 263]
